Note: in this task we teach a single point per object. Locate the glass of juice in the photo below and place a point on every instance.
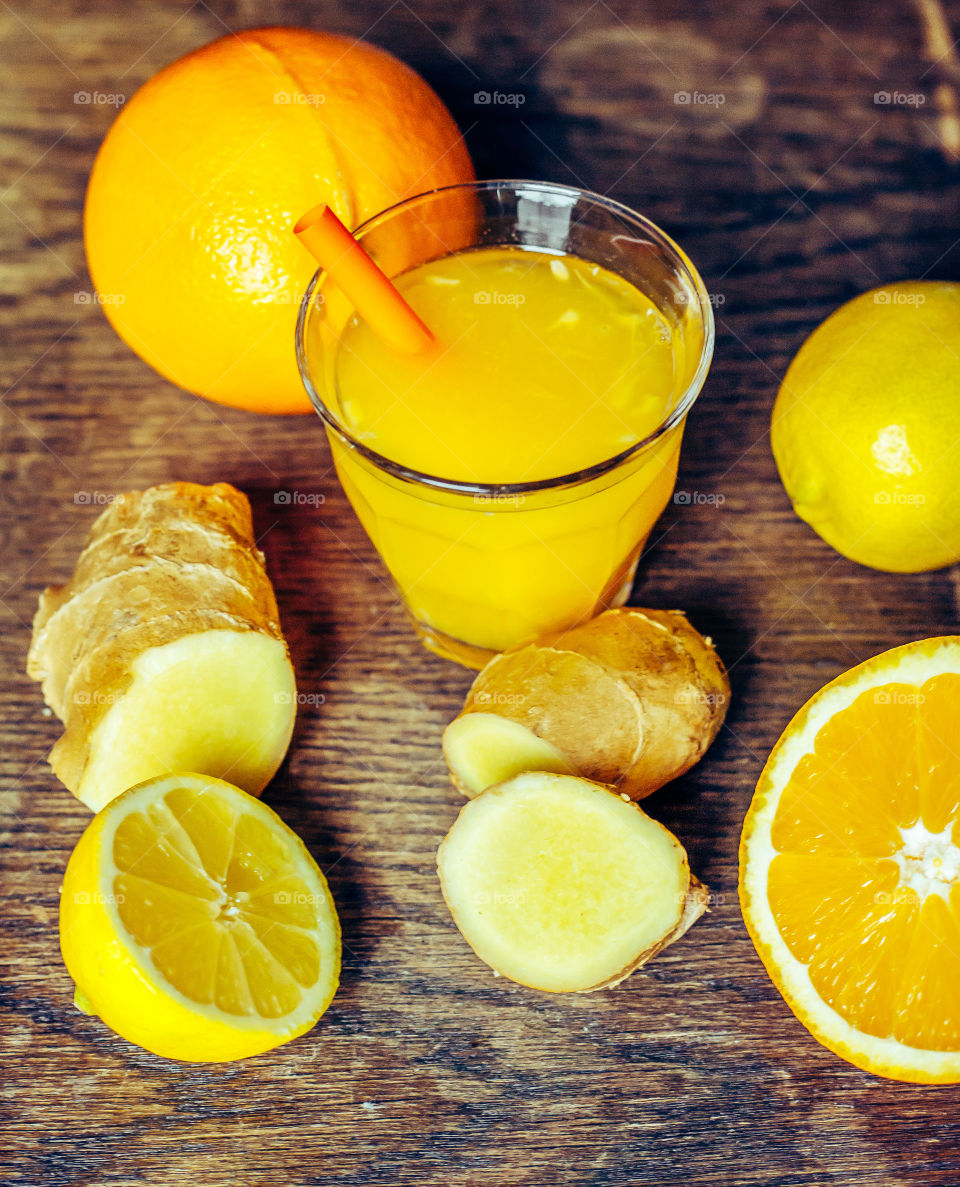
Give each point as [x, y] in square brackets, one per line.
[510, 474]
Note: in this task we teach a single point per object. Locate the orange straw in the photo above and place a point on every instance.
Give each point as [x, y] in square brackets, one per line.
[354, 272]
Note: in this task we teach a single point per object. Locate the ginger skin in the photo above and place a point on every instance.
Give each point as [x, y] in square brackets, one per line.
[164, 651]
[631, 699]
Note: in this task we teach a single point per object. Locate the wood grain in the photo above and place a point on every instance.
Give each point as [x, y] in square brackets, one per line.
[793, 194]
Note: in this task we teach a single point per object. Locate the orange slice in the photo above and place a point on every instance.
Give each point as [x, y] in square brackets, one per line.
[850, 864]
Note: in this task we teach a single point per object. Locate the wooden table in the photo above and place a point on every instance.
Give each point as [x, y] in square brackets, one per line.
[792, 193]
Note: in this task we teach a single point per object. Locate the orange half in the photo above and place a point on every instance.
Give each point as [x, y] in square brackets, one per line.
[850, 864]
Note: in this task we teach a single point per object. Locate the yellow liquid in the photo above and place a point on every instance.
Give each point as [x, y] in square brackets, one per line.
[544, 365]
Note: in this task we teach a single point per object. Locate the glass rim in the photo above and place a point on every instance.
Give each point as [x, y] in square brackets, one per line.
[577, 477]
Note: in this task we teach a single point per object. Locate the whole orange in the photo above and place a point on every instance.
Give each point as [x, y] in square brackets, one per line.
[192, 198]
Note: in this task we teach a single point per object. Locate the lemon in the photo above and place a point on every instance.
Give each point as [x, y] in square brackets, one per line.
[866, 425]
[196, 924]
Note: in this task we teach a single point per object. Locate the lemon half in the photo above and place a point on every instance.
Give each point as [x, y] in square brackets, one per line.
[196, 924]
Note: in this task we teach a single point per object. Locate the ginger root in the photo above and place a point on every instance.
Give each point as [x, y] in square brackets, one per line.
[632, 698]
[560, 884]
[164, 651]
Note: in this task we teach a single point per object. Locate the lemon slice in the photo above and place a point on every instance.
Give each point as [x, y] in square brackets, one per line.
[196, 924]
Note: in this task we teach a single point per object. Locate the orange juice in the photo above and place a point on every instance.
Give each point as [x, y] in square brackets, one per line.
[545, 365]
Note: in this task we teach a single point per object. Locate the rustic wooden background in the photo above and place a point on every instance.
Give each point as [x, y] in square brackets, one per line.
[795, 192]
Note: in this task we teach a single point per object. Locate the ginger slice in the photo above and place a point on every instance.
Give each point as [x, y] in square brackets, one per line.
[179, 521]
[678, 677]
[562, 885]
[632, 698]
[180, 542]
[483, 749]
[137, 511]
[221, 703]
[156, 589]
[164, 650]
[574, 706]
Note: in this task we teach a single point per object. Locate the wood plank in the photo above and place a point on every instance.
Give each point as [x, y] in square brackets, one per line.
[792, 194]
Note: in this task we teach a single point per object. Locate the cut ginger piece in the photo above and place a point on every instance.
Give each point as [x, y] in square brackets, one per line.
[562, 885]
[483, 749]
[188, 708]
[632, 698]
[163, 651]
